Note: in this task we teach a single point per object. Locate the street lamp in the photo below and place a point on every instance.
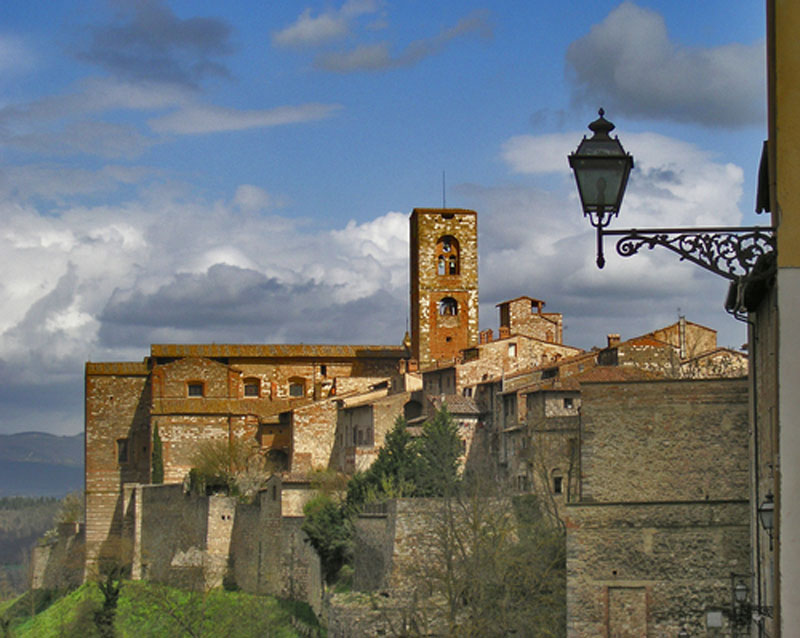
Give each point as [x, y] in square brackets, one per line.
[601, 169]
[766, 514]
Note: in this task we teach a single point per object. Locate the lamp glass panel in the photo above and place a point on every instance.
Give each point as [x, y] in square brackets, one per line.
[600, 181]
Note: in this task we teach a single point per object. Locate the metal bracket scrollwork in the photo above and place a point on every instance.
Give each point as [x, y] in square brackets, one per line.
[727, 251]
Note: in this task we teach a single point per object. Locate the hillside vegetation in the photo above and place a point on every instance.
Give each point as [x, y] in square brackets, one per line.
[149, 610]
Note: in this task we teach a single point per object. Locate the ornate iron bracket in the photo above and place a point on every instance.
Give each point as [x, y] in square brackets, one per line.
[727, 251]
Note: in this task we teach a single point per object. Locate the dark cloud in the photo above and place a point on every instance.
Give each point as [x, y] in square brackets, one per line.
[149, 42]
[628, 63]
[236, 305]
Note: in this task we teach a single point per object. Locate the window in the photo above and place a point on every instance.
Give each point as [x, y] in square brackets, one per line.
[447, 256]
[122, 450]
[557, 485]
[569, 403]
[194, 389]
[323, 370]
[512, 349]
[297, 388]
[467, 392]
[252, 387]
[448, 307]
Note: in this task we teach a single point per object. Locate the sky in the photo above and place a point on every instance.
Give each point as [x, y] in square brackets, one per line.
[191, 171]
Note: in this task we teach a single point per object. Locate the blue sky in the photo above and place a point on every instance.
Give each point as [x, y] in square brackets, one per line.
[242, 172]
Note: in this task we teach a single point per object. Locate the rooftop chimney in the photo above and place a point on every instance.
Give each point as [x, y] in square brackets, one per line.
[613, 339]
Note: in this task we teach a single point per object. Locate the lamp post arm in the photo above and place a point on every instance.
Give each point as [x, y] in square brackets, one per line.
[728, 251]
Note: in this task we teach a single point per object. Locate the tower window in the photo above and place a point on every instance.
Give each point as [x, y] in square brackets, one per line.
[448, 307]
[447, 255]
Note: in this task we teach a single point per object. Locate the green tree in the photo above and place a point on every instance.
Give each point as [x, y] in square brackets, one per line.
[393, 474]
[157, 472]
[438, 456]
[232, 464]
[330, 533]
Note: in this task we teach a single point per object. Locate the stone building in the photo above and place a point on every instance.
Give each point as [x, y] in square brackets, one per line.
[270, 394]
[659, 521]
[517, 398]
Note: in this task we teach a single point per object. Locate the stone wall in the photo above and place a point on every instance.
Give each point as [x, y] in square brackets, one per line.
[647, 570]
[313, 436]
[57, 561]
[664, 440]
[509, 356]
[719, 363]
[662, 516]
[524, 316]
[201, 542]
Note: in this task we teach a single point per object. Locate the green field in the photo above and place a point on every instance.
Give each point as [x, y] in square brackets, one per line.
[150, 610]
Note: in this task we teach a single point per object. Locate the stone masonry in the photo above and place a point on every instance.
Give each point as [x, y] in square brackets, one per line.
[444, 270]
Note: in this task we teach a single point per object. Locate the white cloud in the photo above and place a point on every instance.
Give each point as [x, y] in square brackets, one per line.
[378, 57]
[312, 31]
[539, 153]
[103, 282]
[628, 63]
[200, 118]
[252, 198]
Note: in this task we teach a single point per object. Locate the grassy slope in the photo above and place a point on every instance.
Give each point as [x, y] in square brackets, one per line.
[148, 610]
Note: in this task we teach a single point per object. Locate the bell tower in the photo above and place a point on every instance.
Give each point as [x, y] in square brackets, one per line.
[444, 283]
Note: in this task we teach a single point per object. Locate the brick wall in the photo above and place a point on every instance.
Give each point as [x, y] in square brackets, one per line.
[117, 403]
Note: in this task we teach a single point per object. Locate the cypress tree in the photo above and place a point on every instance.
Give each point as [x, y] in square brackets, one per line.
[157, 471]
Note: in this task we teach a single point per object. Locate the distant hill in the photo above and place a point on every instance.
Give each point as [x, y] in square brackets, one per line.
[40, 464]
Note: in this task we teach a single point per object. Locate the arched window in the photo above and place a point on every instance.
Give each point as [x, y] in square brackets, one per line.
[448, 307]
[447, 255]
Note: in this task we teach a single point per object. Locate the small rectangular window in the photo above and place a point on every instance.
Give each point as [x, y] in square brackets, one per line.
[296, 389]
[194, 389]
[122, 450]
[251, 388]
[557, 484]
[512, 349]
[569, 403]
[323, 370]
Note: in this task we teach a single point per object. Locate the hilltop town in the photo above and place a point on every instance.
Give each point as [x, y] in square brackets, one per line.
[640, 445]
